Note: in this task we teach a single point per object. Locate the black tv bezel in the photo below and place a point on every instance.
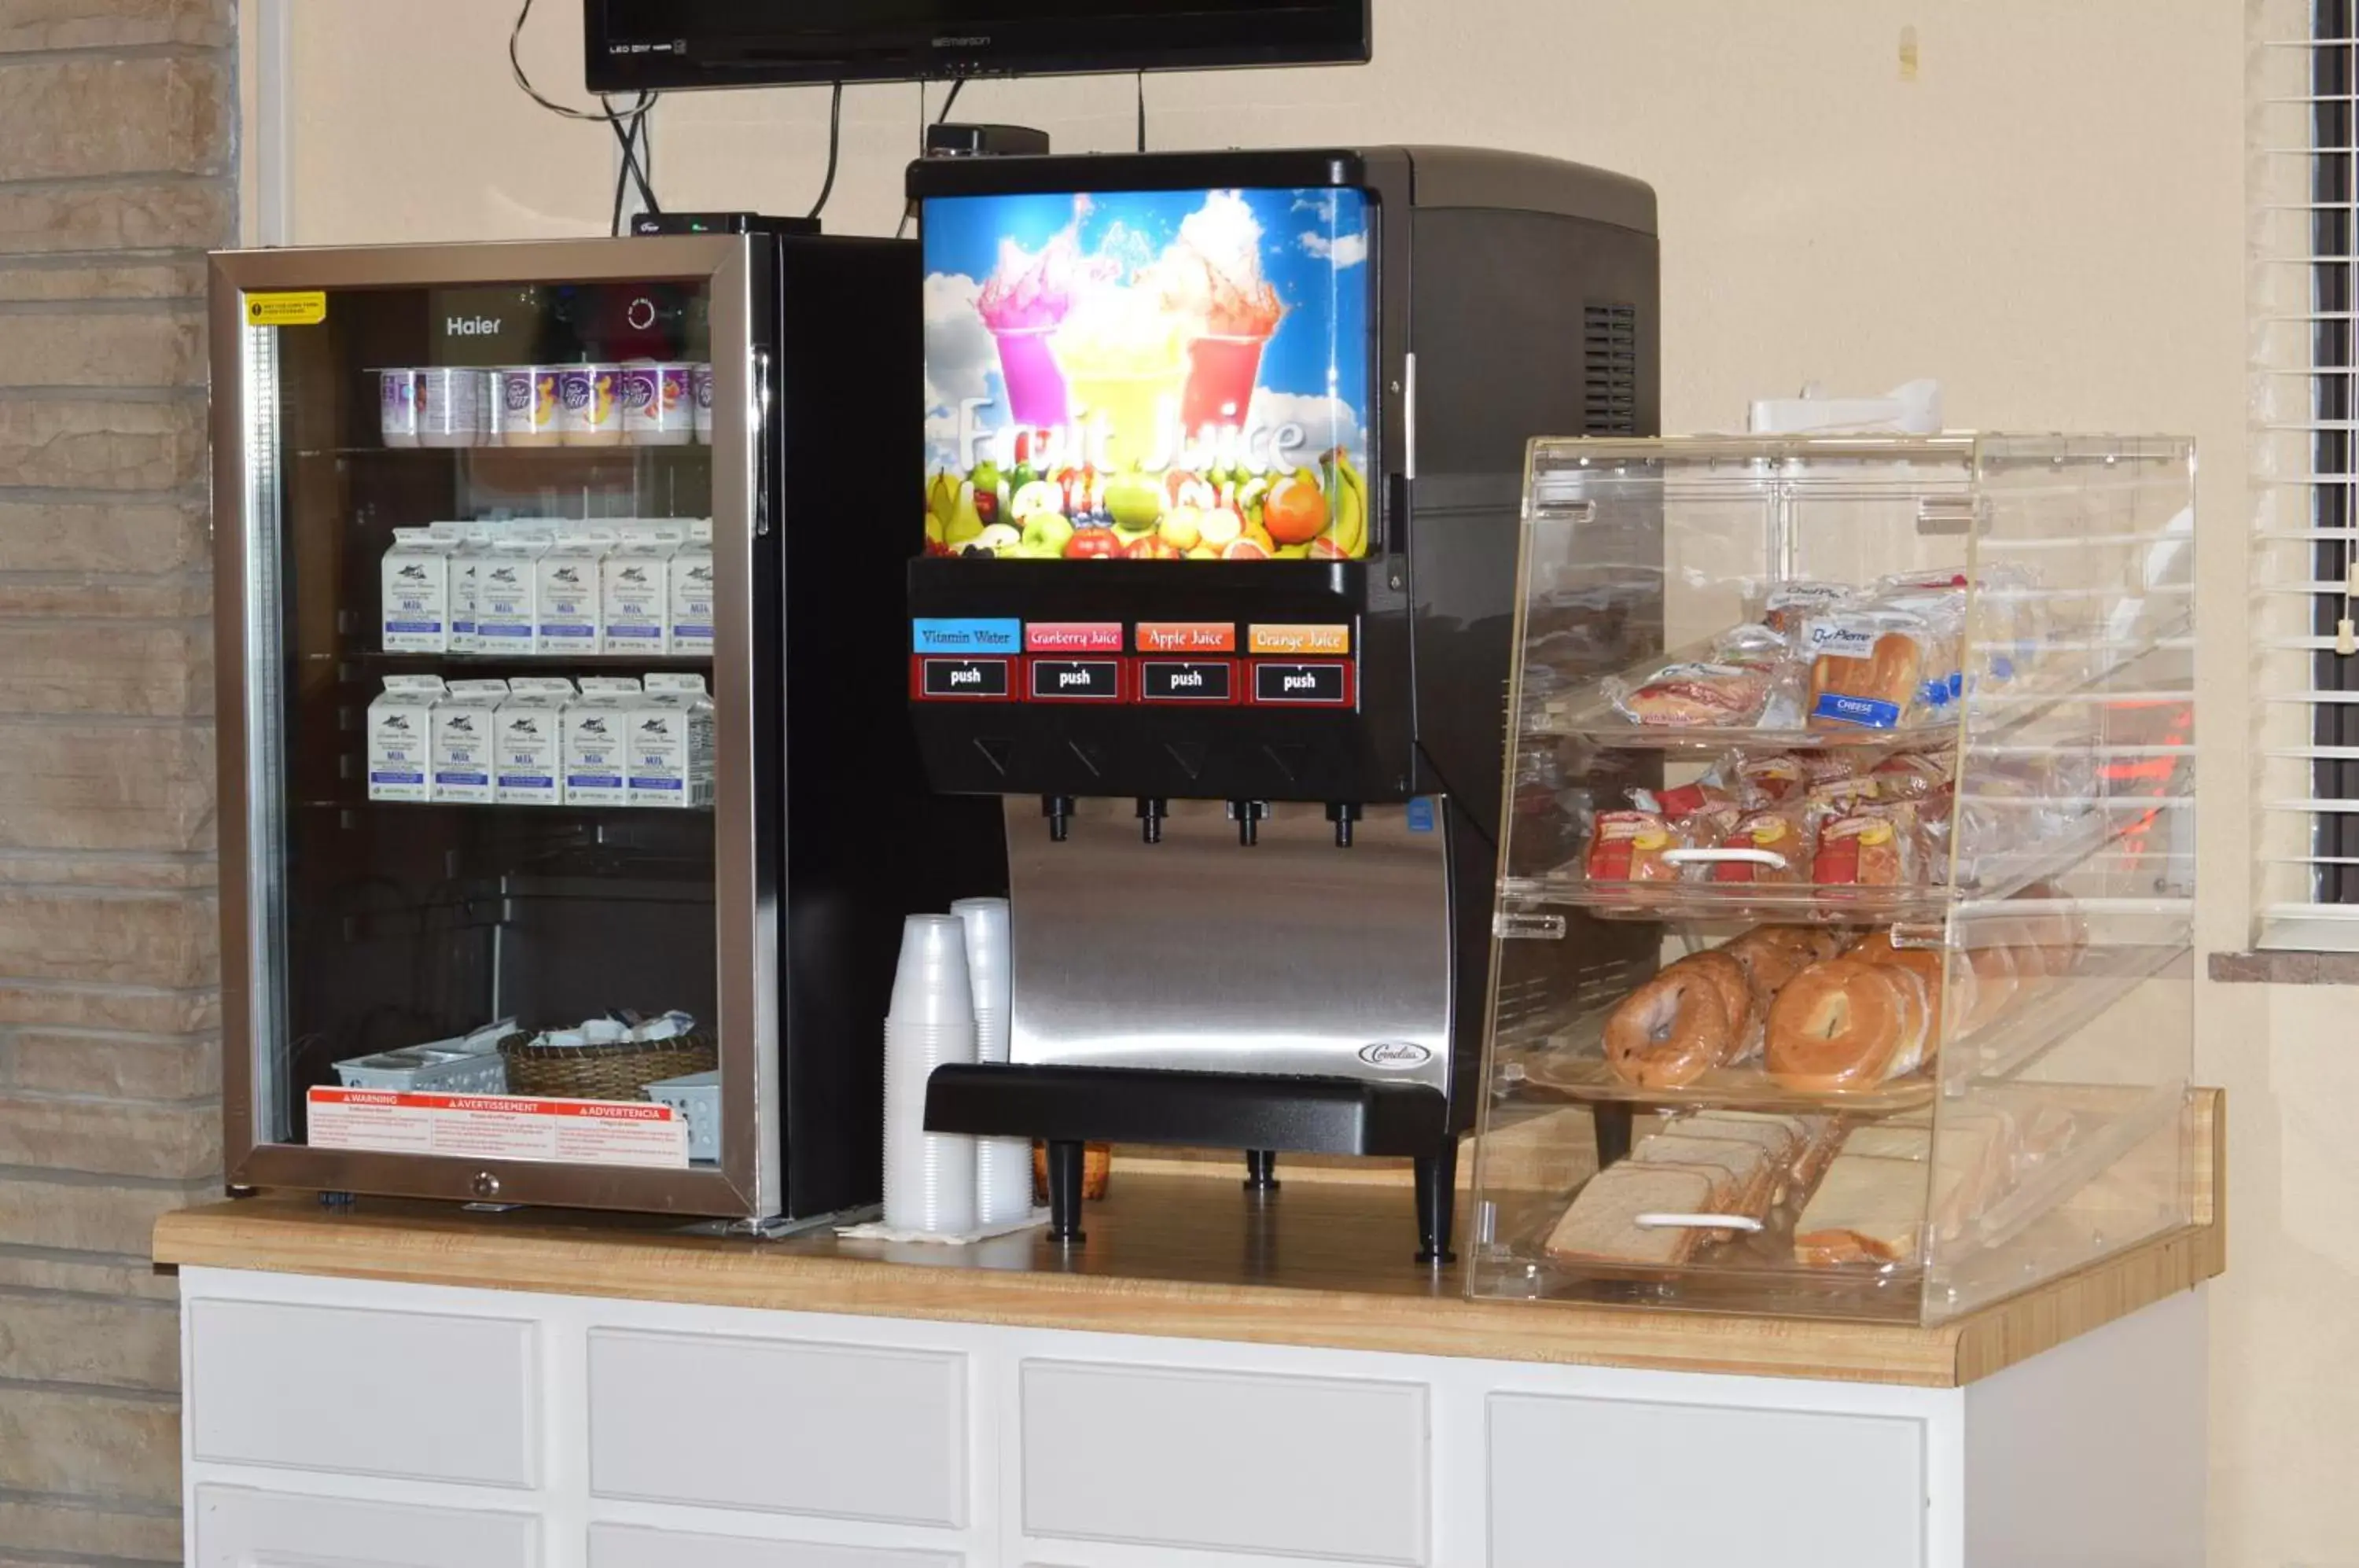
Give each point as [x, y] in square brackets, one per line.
[1338, 34]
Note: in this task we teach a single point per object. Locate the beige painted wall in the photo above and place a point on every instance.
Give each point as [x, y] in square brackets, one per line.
[2049, 215]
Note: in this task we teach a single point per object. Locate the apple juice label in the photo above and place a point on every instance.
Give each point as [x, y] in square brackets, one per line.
[528, 739]
[464, 722]
[401, 738]
[637, 594]
[416, 597]
[671, 744]
[692, 596]
[597, 729]
[570, 591]
[507, 596]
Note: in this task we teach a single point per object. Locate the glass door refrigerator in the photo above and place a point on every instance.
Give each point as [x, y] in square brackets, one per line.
[566, 830]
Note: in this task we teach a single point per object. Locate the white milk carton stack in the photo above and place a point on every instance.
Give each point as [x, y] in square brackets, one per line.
[569, 593]
[508, 594]
[465, 722]
[671, 744]
[401, 738]
[527, 765]
[597, 750]
[473, 541]
[637, 591]
[691, 591]
[416, 598]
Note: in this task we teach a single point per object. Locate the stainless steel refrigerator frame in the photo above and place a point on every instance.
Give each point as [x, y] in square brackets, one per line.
[249, 666]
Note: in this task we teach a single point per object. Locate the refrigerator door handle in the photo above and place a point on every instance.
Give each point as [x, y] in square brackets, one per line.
[762, 442]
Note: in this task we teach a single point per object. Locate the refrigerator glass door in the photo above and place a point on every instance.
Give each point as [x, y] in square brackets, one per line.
[484, 640]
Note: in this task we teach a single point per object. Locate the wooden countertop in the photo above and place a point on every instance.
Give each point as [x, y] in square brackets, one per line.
[1189, 1257]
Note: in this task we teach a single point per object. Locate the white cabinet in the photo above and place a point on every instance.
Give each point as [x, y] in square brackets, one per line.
[1696, 1486]
[1322, 1468]
[425, 1396]
[238, 1526]
[787, 1426]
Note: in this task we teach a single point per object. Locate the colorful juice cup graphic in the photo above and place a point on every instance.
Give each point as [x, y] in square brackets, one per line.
[1212, 279]
[1125, 365]
[1023, 302]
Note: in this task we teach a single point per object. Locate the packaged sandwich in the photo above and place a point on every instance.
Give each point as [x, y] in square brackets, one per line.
[1631, 846]
[1768, 780]
[1868, 667]
[1788, 607]
[1865, 848]
[1766, 846]
[1697, 694]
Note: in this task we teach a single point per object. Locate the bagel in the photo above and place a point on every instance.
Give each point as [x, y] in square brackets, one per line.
[1671, 1030]
[1739, 1001]
[1774, 954]
[1929, 965]
[1995, 983]
[1843, 1024]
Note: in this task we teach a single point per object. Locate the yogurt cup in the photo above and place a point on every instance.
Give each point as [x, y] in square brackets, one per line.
[527, 404]
[700, 386]
[588, 412]
[451, 406]
[659, 406]
[398, 407]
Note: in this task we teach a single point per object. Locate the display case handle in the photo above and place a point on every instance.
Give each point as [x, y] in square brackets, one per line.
[761, 416]
[1696, 1222]
[1768, 857]
[1510, 927]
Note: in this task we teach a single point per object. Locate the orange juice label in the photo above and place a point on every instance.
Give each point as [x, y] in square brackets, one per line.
[1283, 639]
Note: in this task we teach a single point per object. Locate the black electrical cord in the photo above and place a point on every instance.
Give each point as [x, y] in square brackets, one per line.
[1142, 111]
[910, 209]
[834, 149]
[629, 126]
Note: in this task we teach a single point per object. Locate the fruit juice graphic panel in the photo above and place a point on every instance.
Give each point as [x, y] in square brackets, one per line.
[1162, 374]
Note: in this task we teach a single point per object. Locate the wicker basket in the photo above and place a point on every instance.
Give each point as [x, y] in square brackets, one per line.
[621, 1069]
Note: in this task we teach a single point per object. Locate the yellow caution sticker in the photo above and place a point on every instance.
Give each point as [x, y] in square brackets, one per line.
[305, 309]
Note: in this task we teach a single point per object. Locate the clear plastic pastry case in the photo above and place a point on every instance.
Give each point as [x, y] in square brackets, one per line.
[1845, 900]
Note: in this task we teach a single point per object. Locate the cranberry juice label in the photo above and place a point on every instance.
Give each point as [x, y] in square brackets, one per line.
[1148, 376]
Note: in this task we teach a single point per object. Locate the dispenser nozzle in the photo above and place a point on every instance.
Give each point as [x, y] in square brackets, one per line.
[1343, 813]
[1151, 811]
[1058, 809]
[1248, 815]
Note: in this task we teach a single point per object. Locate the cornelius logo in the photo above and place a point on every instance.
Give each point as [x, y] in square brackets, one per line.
[1395, 1055]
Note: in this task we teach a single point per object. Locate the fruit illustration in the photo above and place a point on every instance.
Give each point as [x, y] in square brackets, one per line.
[1093, 544]
[1184, 525]
[1347, 504]
[997, 537]
[1244, 550]
[1046, 532]
[1154, 547]
[990, 492]
[1204, 552]
[1326, 549]
[933, 534]
[1221, 526]
[965, 523]
[1035, 495]
[1186, 489]
[941, 497]
[1295, 512]
[1134, 500]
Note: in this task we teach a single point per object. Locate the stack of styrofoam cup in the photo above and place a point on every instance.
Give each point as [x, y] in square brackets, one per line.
[1003, 1166]
[929, 1176]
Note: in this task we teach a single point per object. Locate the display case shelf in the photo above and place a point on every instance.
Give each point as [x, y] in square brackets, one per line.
[2036, 903]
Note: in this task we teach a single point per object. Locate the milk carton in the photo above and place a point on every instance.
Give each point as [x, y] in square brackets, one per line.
[671, 744]
[401, 738]
[529, 733]
[692, 592]
[467, 552]
[637, 576]
[570, 587]
[597, 731]
[508, 594]
[464, 727]
[417, 599]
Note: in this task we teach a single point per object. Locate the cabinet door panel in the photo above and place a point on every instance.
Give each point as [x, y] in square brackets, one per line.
[629, 1546]
[237, 1527]
[1313, 1467]
[1701, 1486]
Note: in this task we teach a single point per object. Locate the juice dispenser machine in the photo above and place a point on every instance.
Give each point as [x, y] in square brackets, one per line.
[1224, 454]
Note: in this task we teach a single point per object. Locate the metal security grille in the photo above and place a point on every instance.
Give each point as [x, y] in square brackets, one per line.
[1610, 345]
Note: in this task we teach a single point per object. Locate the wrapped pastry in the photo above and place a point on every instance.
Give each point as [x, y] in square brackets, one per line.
[1768, 780]
[1911, 776]
[1790, 605]
[1865, 849]
[1782, 833]
[1698, 694]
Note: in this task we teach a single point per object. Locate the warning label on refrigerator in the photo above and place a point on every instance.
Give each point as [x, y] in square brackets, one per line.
[499, 1127]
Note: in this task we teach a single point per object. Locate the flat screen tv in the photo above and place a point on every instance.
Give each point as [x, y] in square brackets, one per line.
[644, 45]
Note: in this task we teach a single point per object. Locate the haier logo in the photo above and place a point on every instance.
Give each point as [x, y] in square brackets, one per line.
[469, 327]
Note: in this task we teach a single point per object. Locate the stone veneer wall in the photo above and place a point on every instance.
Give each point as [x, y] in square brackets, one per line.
[118, 124]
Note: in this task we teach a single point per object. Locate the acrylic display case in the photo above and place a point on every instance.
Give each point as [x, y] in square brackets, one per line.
[1845, 960]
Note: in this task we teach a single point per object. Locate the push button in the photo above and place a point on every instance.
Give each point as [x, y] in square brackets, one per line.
[1076, 680]
[1302, 685]
[1187, 680]
[974, 679]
